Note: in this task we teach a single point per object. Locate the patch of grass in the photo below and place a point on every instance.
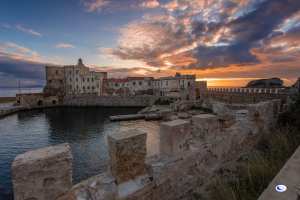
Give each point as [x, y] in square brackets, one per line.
[258, 169]
[7, 99]
[206, 110]
[163, 102]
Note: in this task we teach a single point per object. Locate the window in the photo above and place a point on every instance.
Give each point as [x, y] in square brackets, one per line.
[123, 84]
[88, 87]
[149, 83]
[70, 72]
[83, 80]
[70, 79]
[161, 83]
[116, 84]
[76, 71]
[141, 83]
[56, 72]
[92, 79]
[166, 83]
[189, 83]
[133, 83]
[76, 79]
[50, 81]
[127, 84]
[93, 87]
[84, 87]
[71, 87]
[60, 81]
[88, 79]
[107, 84]
[179, 82]
[77, 87]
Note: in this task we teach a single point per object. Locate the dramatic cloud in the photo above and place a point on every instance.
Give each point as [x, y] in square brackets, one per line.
[62, 45]
[29, 31]
[171, 5]
[214, 35]
[149, 4]
[96, 5]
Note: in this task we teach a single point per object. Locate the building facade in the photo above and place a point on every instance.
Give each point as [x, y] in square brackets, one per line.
[77, 79]
[74, 79]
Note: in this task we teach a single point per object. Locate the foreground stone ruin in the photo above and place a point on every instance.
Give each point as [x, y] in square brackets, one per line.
[190, 153]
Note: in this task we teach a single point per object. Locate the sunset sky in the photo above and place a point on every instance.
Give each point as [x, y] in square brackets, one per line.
[227, 42]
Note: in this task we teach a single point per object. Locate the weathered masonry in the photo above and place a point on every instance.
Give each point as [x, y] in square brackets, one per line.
[247, 95]
[190, 152]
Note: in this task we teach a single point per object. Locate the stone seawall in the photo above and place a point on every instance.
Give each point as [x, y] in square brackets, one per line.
[244, 97]
[112, 101]
[190, 153]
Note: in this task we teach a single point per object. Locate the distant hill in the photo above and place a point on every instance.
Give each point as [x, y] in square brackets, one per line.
[266, 83]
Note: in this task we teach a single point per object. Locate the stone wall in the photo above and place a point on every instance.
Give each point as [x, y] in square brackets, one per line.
[113, 101]
[216, 141]
[247, 96]
[37, 99]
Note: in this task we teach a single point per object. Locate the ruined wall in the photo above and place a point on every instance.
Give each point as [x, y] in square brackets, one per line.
[37, 99]
[190, 153]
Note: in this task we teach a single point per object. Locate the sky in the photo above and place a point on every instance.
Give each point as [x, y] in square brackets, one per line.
[226, 42]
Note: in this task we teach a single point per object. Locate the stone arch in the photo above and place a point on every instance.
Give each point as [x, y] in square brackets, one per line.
[197, 91]
[40, 103]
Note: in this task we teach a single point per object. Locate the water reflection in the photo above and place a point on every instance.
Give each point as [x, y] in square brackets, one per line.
[85, 129]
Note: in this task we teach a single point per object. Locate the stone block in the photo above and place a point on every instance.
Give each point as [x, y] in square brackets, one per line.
[205, 126]
[43, 174]
[127, 152]
[174, 137]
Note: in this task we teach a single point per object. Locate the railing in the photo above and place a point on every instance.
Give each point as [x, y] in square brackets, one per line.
[256, 90]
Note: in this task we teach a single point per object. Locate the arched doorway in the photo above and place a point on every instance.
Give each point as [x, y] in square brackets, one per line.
[197, 93]
[40, 102]
[53, 102]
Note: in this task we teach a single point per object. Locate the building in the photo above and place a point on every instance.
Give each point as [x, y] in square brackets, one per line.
[74, 79]
[77, 79]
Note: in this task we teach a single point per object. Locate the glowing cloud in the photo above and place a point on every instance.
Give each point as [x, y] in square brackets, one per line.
[29, 31]
[62, 45]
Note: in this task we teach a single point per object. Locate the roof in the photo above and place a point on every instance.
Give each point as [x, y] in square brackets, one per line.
[103, 72]
[116, 80]
[140, 78]
[157, 79]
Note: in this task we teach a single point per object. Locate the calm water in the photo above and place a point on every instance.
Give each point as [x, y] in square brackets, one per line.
[85, 129]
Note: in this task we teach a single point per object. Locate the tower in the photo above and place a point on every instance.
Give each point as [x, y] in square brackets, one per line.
[79, 61]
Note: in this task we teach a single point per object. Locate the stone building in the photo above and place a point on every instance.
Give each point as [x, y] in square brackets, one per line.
[74, 79]
[77, 79]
